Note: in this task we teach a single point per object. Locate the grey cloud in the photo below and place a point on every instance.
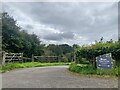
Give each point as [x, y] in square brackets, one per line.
[71, 17]
[91, 20]
[29, 26]
[59, 36]
[67, 35]
[54, 37]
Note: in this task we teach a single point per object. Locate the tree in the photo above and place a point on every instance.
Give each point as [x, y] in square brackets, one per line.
[91, 51]
[10, 33]
[55, 49]
[66, 48]
[17, 40]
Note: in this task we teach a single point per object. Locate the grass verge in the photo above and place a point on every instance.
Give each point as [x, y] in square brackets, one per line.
[12, 66]
[86, 69]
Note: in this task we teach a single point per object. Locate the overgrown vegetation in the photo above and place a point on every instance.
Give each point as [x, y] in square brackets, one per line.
[87, 69]
[17, 40]
[90, 52]
[12, 66]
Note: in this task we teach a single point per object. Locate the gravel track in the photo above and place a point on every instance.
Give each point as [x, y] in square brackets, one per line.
[53, 77]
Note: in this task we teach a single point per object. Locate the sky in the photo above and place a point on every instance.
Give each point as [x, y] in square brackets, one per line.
[67, 22]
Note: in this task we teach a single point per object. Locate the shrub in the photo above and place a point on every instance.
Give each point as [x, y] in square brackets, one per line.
[88, 69]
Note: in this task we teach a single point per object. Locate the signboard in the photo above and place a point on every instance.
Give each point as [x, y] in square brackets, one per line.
[104, 61]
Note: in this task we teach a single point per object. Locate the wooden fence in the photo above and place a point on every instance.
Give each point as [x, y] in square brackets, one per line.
[0, 58]
[18, 57]
[45, 58]
[12, 57]
[26, 59]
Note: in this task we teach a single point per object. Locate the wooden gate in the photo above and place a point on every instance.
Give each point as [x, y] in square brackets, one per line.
[45, 58]
[12, 57]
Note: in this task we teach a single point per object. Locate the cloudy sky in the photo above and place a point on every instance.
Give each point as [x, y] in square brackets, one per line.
[67, 22]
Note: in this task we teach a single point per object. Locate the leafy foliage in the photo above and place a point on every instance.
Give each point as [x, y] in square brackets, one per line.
[88, 69]
[17, 40]
[90, 52]
[63, 50]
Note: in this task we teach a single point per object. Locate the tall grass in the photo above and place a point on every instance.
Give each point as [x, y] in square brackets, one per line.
[12, 66]
[88, 69]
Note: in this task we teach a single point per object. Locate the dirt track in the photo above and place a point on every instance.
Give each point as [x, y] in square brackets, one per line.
[52, 77]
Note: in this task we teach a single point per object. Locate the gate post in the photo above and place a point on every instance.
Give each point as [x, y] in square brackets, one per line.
[4, 56]
[59, 59]
[22, 57]
[32, 58]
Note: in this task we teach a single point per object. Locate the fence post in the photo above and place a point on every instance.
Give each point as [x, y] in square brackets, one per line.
[4, 56]
[32, 58]
[0, 58]
[22, 57]
[75, 58]
[59, 59]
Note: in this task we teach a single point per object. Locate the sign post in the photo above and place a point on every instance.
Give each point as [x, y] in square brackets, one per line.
[104, 61]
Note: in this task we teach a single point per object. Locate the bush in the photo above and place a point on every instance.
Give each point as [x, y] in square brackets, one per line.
[88, 69]
[99, 48]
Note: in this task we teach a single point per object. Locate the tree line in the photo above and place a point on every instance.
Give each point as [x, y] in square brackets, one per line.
[17, 40]
[14, 39]
[90, 52]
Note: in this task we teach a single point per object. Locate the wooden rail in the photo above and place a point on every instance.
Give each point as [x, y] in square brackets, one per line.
[12, 57]
[18, 57]
[26, 59]
[45, 58]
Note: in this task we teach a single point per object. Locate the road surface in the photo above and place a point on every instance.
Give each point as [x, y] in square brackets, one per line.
[53, 77]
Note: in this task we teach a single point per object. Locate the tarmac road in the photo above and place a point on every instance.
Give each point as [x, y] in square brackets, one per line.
[53, 77]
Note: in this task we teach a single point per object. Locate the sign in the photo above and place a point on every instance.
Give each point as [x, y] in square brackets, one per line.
[104, 61]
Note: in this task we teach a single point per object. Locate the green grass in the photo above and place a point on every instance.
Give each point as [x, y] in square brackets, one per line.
[89, 70]
[12, 66]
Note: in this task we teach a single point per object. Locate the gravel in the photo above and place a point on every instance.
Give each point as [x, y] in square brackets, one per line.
[53, 77]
